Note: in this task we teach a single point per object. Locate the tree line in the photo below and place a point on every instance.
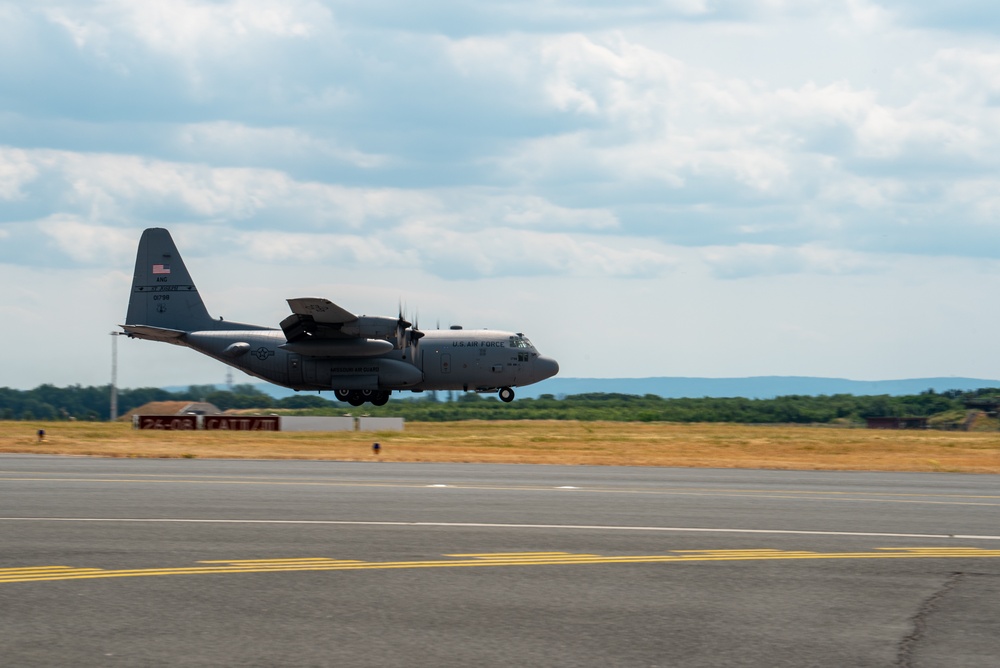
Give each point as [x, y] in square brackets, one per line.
[48, 402]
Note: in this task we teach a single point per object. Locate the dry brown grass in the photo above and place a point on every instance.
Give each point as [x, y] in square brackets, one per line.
[544, 442]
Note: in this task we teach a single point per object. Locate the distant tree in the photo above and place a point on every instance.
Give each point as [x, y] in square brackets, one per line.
[880, 406]
[130, 399]
[304, 401]
[248, 390]
[52, 403]
[225, 400]
[200, 392]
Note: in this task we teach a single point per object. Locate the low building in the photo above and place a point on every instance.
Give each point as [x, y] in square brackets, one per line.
[990, 405]
[897, 422]
[172, 408]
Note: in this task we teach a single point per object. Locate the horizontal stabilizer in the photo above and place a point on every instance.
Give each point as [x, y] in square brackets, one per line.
[153, 333]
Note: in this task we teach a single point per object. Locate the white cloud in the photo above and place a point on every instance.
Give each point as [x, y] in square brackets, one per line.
[350, 251]
[867, 15]
[238, 142]
[504, 252]
[88, 243]
[537, 213]
[504, 231]
[746, 260]
[969, 16]
[116, 187]
[186, 29]
[16, 170]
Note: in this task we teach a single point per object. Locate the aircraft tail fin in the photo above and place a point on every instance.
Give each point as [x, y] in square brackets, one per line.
[163, 294]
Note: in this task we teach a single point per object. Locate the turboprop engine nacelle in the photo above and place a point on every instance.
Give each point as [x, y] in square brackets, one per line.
[372, 327]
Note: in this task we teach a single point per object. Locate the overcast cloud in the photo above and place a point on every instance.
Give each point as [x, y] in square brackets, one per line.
[673, 188]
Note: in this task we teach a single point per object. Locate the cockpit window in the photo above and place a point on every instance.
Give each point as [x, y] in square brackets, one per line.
[519, 342]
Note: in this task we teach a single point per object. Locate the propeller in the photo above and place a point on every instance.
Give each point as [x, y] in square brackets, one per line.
[415, 333]
[407, 334]
[401, 327]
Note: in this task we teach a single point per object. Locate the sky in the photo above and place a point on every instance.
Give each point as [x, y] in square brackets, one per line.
[706, 188]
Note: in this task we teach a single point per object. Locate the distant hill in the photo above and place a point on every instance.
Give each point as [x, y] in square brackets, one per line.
[756, 387]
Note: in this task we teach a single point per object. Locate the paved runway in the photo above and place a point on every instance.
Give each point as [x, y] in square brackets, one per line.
[265, 563]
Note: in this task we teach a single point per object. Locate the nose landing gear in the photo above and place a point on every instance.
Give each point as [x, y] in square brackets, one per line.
[506, 395]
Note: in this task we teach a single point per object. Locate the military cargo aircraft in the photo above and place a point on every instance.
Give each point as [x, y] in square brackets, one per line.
[322, 346]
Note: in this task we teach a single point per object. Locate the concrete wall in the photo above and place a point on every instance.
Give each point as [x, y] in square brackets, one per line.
[316, 423]
[380, 424]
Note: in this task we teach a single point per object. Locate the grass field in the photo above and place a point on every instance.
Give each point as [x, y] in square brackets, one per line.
[543, 442]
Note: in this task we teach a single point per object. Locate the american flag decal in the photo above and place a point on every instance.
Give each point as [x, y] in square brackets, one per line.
[161, 268]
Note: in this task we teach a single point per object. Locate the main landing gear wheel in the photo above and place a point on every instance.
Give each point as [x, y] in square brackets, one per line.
[506, 395]
[361, 397]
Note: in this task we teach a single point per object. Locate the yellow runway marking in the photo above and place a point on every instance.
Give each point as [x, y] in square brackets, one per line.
[58, 573]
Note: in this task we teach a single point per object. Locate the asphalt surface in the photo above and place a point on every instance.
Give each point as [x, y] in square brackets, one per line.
[115, 562]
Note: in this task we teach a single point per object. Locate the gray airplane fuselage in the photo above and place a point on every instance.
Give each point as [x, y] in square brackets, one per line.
[453, 359]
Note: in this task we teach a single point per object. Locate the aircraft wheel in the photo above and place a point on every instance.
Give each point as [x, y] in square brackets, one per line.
[343, 395]
[354, 398]
[381, 399]
[506, 395]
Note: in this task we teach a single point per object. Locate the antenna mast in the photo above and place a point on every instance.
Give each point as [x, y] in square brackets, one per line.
[114, 375]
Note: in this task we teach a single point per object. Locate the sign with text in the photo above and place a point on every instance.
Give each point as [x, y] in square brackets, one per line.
[239, 423]
[176, 422]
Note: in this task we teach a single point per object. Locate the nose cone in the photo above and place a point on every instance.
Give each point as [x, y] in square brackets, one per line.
[545, 367]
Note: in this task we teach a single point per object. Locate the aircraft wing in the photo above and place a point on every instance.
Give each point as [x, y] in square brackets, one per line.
[318, 327]
[321, 310]
[316, 318]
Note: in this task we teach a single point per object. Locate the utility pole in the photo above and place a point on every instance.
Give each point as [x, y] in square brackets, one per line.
[114, 375]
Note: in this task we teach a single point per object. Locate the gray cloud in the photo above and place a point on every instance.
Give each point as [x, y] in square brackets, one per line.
[332, 119]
